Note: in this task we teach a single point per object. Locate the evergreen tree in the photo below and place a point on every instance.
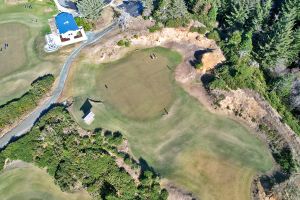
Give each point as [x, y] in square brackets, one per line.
[178, 10]
[292, 5]
[90, 9]
[278, 45]
[238, 16]
[171, 10]
[148, 7]
[162, 11]
[261, 14]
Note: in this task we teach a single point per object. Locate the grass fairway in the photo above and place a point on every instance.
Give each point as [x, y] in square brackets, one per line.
[14, 56]
[24, 60]
[32, 183]
[210, 155]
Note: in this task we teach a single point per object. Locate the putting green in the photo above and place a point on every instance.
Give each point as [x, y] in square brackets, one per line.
[31, 183]
[139, 86]
[210, 155]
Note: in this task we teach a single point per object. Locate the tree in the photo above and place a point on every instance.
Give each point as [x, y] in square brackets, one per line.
[238, 15]
[90, 9]
[161, 13]
[178, 9]
[169, 10]
[148, 7]
[261, 14]
[278, 45]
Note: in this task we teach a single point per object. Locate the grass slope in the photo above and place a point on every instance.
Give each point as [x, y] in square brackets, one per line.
[211, 155]
[32, 183]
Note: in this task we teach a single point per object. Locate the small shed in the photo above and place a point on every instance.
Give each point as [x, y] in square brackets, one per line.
[89, 118]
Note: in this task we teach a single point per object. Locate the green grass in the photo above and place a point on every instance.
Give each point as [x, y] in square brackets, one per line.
[31, 183]
[210, 155]
[139, 87]
[23, 61]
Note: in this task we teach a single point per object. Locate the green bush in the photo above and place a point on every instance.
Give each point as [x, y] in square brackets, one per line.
[175, 23]
[15, 109]
[199, 65]
[201, 30]
[154, 28]
[124, 42]
[214, 35]
[87, 26]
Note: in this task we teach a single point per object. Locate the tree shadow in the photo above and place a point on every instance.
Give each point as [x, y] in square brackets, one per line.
[146, 167]
[199, 54]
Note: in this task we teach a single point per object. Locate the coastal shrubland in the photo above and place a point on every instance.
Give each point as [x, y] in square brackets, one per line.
[80, 160]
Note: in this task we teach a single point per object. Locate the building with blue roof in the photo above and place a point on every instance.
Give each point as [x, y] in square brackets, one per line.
[65, 22]
[64, 31]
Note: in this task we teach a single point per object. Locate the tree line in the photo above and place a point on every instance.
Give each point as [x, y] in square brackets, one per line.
[16, 108]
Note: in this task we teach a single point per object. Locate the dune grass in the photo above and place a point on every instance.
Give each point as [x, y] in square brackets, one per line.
[23, 61]
[31, 183]
[210, 155]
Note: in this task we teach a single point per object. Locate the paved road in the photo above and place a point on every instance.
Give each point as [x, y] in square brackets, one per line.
[25, 125]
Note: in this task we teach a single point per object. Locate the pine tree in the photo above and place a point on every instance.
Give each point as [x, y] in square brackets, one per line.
[148, 7]
[178, 9]
[162, 11]
[292, 4]
[90, 9]
[278, 44]
[171, 10]
[238, 16]
[261, 14]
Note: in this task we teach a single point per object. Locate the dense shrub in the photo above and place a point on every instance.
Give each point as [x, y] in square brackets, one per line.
[154, 28]
[201, 30]
[124, 42]
[15, 109]
[54, 143]
[87, 26]
[175, 23]
[214, 35]
[199, 65]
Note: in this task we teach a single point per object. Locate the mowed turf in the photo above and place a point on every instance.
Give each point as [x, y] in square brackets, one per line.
[138, 86]
[210, 155]
[32, 183]
[14, 56]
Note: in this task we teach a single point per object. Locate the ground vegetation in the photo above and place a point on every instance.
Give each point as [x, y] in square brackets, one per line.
[15, 109]
[79, 160]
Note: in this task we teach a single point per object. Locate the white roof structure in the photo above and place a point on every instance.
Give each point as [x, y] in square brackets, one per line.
[89, 118]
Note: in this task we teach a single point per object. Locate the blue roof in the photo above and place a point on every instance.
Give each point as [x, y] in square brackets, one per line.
[65, 22]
